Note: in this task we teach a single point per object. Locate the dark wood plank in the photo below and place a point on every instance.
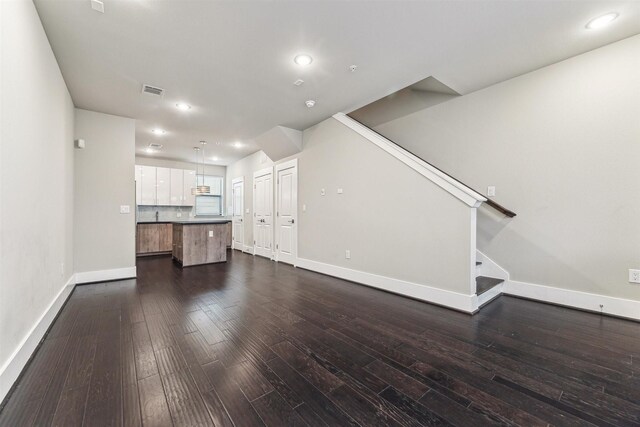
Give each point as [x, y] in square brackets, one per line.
[185, 403]
[275, 411]
[153, 402]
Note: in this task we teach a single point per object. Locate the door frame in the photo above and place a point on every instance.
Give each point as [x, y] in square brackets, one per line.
[279, 167]
[257, 174]
[235, 181]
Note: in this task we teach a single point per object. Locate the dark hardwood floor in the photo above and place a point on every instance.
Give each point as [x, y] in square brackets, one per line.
[252, 343]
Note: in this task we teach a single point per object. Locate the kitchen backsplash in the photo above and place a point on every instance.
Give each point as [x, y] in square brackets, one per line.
[165, 213]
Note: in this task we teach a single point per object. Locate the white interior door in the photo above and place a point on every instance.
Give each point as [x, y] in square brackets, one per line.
[287, 212]
[263, 212]
[237, 207]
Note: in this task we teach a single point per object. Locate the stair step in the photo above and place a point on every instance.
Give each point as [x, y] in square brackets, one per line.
[478, 263]
[483, 284]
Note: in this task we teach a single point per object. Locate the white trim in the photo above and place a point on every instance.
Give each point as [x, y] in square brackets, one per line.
[473, 220]
[444, 181]
[234, 181]
[293, 163]
[247, 249]
[455, 300]
[10, 371]
[104, 275]
[490, 268]
[575, 299]
[490, 294]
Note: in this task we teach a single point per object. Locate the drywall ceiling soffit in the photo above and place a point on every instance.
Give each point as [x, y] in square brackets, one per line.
[280, 142]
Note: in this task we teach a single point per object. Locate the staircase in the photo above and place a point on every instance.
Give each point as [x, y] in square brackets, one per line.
[489, 279]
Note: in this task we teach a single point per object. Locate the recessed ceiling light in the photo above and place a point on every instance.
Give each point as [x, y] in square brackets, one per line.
[158, 131]
[310, 103]
[237, 144]
[182, 106]
[298, 82]
[303, 59]
[215, 159]
[353, 68]
[149, 150]
[601, 21]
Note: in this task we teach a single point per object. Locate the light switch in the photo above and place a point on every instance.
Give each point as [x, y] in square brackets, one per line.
[125, 209]
[247, 211]
[304, 208]
[339, 190]
[491, 191]
[322, 192]
[210, 233]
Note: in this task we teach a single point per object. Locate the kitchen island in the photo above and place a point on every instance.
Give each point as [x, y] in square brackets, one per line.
[200, 242]
[190, 242]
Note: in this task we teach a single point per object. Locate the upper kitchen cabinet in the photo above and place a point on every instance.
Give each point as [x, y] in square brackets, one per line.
[177, 187]
[157, 186]
[163, 185]
[147, 185]
[189, 184]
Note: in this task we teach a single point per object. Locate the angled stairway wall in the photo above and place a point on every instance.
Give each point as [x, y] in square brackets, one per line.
[561, 146]
[405, 233]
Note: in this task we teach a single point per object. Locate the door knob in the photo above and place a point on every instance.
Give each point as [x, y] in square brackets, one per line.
[292, 221]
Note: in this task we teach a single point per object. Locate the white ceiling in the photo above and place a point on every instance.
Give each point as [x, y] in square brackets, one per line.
[233, 60]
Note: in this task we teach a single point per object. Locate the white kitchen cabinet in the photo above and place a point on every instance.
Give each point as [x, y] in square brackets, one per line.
[177, 187]
[189, 183]
[163, 185]
[138, 176]
[147, 185]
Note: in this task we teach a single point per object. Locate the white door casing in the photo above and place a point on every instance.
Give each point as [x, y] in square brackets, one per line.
[263, 212]
[286, 228]
[237, 207]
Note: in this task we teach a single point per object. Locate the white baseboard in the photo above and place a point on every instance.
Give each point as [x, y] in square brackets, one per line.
[620, 307]
[104, 275]
[455, 300]
[11, 370]
[248, 249]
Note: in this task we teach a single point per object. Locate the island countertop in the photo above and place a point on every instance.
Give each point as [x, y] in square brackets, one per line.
[189, 221]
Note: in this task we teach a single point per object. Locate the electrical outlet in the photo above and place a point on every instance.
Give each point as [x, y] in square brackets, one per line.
[347, 254]
[634, 276]
[210, 233]
[125, 209]
[491, 191]
[179, 215]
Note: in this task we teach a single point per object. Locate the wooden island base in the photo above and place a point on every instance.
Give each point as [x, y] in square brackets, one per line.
[200, 243]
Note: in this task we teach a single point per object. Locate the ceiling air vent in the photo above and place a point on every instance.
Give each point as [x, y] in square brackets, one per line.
[155, 146]
[152, 90]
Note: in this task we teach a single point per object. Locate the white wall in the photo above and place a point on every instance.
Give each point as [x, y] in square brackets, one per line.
[389, 231]
[104, 180]
[562, 147]
[395, 222]
[215, 170]
[36, 187]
